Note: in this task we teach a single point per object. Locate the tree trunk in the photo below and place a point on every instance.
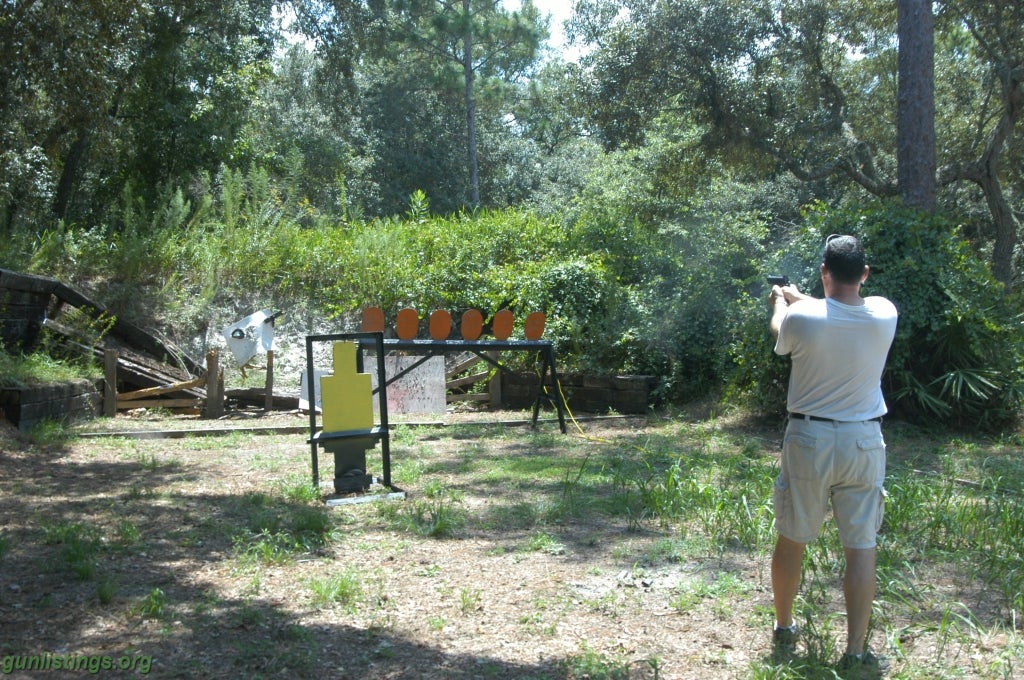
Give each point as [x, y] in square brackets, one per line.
[467, 69]
[915, 129]
[985, 173]
[69, 175]
[1006, 231]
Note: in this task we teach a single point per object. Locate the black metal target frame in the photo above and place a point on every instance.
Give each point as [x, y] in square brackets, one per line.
[482, 348]
[376, 342]
[381, 431]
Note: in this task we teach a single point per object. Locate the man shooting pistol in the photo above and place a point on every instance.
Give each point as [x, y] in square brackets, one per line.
[833, 453]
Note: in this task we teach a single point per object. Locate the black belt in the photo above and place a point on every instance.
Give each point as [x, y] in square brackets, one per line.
[803, 416]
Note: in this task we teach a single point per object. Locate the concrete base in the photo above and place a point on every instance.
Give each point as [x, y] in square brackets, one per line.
[366, 498]
[350, 463]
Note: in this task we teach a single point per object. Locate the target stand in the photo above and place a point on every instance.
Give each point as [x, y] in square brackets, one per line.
[347, 429]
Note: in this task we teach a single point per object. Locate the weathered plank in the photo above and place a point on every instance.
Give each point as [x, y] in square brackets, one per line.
[160, 403]
[162, 389]
[467, 397]
[466, 380]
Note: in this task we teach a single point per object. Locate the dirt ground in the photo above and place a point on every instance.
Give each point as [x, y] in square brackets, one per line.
[165, 588]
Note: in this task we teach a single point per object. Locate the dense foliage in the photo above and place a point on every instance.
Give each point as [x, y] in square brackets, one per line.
[958, 352]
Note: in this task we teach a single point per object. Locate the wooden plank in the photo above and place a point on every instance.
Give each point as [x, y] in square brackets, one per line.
[143, 372]
[467, 380]
[268, 403]
[135, 369]
[160, 403]
[214, 387]
[467, 397]
[257, 396]
[162, 389]
[463, 365]
[110, 383]
[26, 282]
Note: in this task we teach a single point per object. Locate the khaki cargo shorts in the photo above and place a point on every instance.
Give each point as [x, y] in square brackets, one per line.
[827, 462]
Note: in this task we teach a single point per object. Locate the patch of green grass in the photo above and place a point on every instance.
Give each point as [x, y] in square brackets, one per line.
[127, 533]
[430, 571]
[545, 543]
[407, 471]
[266, 548]
[344, 589]
[39, 368]
[79, 545]
[50, 432]
[535, 623]
[298, 489]
[153, 606]
[248, 616]
[438, 515]
[469, 600]
[106, 590]
[136, 491]
[725, 588]
[403, 436]
[233, 443]
[672, 551]
[265, 463]
[513, 516]
[593, 665]
[277, 530]
[148, 461]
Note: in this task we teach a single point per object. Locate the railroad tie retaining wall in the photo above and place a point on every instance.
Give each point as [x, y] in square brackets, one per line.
[627, 394]
[26, 407]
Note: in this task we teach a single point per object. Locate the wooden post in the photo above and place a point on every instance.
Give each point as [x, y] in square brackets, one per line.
[268, 404]
[494, 385]
[110, 383]
[214, 387]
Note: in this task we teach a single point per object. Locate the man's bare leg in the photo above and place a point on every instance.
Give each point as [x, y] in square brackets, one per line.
[859, 584]
[787, 562]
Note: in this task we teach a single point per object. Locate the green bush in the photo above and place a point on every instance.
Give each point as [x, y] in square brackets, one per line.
[959, 348]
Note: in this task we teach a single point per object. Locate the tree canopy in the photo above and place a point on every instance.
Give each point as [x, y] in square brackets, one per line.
[376, 99]
[810, 89]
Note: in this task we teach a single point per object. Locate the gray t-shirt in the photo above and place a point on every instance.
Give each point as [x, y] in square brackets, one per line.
[838, 354]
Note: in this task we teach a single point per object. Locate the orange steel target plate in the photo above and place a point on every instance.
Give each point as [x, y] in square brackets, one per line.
[407, 324]
[535, 326]
[373, 320]
[440, 324]
[501, 326]
[472, 324]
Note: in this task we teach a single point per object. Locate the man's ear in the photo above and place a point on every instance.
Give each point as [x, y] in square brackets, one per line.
[867, 273]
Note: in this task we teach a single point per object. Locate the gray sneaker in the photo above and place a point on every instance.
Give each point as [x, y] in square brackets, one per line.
[784, 642]
[861, 666]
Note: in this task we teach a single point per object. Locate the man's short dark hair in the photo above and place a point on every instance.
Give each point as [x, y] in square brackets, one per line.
[844, 258]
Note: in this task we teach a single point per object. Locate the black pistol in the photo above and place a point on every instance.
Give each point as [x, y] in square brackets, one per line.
[778, 280]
